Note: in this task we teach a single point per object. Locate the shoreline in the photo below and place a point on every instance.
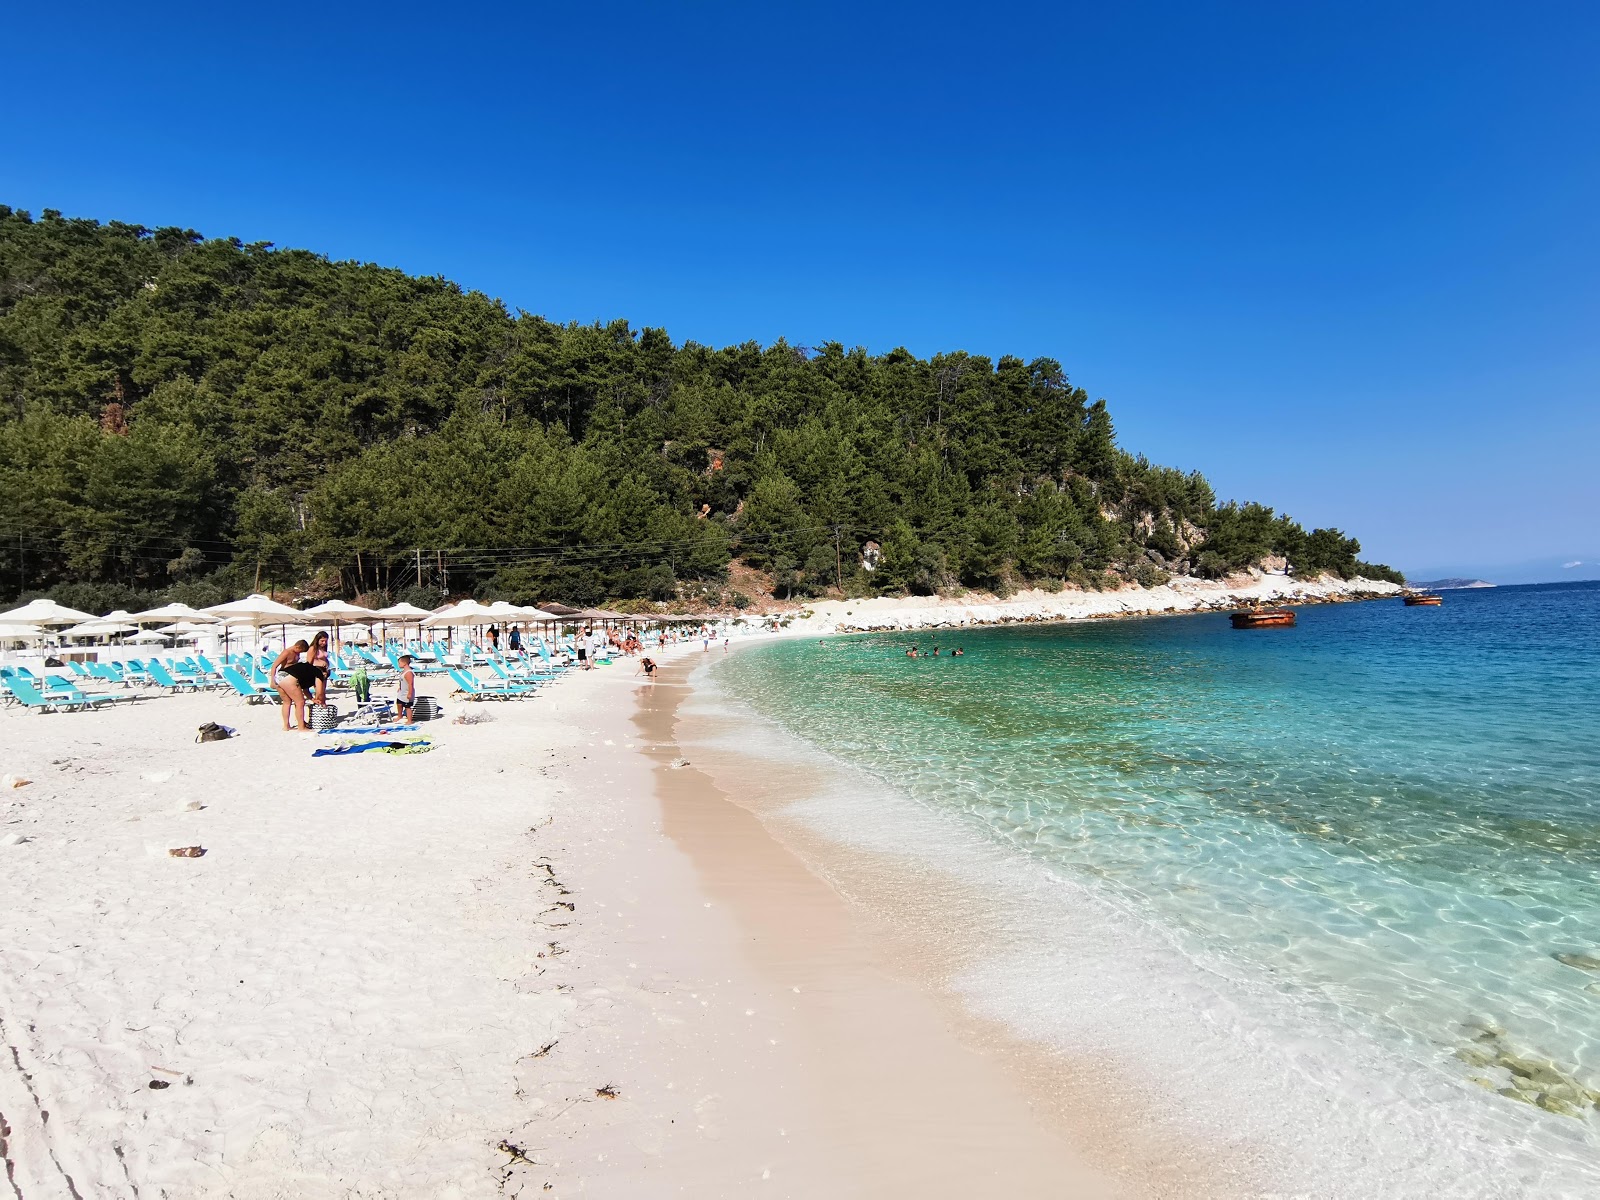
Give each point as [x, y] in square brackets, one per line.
[597, 945]
[1184, 595]
[1187, 1039]
[541, 960]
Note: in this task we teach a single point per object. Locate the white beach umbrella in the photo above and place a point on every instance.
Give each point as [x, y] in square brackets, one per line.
[150, 636]
[171, 612]
[12, 631]
[336, 612]
[99, 627]
[45, 611]
[404, 612]
[465, 612]
[256, 610]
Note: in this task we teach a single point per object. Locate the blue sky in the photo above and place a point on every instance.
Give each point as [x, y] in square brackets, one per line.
[1340, 257]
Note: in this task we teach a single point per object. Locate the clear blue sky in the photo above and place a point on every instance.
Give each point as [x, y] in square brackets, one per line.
[1342, 257]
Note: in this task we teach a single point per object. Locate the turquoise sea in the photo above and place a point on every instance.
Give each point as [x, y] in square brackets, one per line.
[1387, 818]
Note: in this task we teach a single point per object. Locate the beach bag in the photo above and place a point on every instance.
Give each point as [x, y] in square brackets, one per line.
[324, 716]
[212, 732]
[427, 709]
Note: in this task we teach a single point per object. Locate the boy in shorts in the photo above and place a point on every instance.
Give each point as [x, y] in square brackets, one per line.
[406, 701]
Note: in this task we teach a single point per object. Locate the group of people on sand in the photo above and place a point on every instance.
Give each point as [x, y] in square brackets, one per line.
[956, 652]
[300, 676]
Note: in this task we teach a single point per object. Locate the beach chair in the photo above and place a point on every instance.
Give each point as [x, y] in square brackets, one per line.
[243, 687]
[78, 669]
[107, 672]
[25, 694]
[483, 691]
[161, 677]
[90, 699]
[509, 676]
[209, 667]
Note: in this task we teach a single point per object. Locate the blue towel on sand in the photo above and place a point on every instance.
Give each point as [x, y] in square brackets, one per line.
[383, 746]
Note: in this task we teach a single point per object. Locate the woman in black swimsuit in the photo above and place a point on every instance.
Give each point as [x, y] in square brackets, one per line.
[293, 679]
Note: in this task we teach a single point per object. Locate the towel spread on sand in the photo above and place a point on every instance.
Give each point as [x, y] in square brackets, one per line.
[380, 747]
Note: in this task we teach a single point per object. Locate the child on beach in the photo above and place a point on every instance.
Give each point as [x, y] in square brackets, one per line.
[406, 701]
[647, 667]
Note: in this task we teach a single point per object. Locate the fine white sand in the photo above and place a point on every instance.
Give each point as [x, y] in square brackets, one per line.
[487, 970]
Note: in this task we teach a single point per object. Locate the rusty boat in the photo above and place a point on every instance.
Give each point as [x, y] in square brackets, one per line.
[1422, 599]
[1262, 618]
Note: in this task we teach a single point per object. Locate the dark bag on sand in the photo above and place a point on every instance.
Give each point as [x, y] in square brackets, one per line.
[212, 732]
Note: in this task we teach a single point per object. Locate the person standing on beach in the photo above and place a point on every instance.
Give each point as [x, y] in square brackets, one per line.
[293, 679]
[406, 702]
[514, 640]
[317, 656]
[583, 649]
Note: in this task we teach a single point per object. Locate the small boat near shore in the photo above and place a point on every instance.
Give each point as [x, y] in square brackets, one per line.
[1422, 599]
[1262, 618]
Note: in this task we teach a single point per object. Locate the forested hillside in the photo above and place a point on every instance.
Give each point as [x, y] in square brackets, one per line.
[203, 416]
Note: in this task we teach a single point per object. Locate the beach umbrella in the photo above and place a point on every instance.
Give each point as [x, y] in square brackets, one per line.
[13, 631]
[182, 630]
[255, 611]
[401, 614]
[407, 613]
[336, 613]
[100, 627]
[149, 636]
[45, 611]
[464, 612]
[170, 612]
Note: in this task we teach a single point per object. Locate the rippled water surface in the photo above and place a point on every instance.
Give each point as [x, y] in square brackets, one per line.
[1393, 813]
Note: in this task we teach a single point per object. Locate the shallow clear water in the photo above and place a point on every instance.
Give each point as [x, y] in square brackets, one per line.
[1391, 813]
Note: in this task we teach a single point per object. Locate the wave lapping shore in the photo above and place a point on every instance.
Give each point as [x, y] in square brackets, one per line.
[1182, 595]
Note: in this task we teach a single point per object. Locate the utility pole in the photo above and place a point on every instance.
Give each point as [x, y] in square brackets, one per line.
[419, 566]
[838, 560]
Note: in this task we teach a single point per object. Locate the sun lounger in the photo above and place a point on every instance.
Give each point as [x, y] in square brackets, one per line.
[31, 697]
[163, 678]
[243, 687]
[483, 691]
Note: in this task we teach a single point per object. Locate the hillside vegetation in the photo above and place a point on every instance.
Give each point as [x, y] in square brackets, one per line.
[199, 417]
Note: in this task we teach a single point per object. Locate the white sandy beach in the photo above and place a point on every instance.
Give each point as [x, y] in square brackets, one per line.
[547, 958]
[370, 984]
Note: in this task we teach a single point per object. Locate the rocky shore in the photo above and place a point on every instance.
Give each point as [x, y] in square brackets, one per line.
[1182, 595]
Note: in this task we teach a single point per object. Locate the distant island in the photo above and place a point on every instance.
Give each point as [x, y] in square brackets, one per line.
[1440, 585]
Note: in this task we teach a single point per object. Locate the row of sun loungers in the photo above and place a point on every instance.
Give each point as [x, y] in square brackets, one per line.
[520, 675]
